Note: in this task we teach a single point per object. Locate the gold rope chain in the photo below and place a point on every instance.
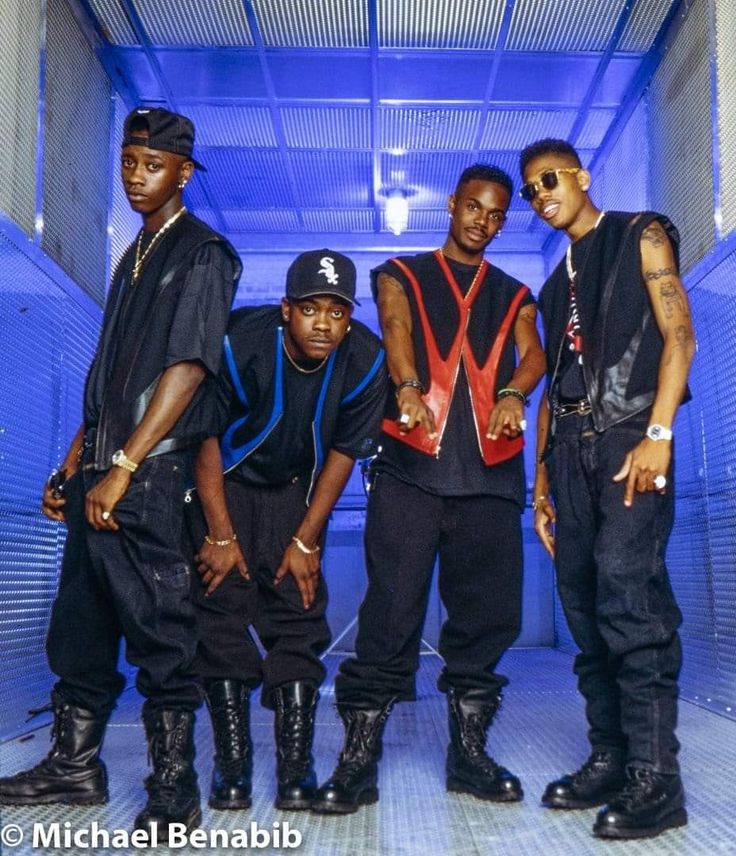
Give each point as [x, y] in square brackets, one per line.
[140, 259]
[297, 366]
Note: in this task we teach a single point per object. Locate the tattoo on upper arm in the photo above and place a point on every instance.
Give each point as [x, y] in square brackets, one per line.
[671, 299]
[658, 274]
[654, 234]
[528, 313]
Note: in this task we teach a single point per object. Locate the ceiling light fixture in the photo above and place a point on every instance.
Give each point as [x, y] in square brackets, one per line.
[397, 211]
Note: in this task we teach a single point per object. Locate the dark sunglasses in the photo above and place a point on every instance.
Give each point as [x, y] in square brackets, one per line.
[548, 180]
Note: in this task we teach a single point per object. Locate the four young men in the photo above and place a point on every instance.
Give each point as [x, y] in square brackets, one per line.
[300, 394]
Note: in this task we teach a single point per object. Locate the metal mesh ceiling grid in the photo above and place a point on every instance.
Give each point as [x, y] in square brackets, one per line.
[321, 23]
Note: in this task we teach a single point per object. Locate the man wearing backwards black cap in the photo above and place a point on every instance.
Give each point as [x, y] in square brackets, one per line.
[123, 575]
[302, 392]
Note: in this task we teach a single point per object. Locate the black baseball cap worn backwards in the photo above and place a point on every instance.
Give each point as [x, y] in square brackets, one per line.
[321, 272]
[167, 132]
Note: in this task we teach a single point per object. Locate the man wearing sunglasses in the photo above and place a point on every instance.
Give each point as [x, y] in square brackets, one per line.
[449, 483]
[619, 343]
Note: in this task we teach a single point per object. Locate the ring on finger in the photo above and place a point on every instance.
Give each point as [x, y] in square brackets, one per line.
[105, 515]
[404, 418]
[660, 482]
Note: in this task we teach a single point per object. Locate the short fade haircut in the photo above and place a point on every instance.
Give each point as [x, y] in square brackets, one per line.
[486, 172]
[547, 146]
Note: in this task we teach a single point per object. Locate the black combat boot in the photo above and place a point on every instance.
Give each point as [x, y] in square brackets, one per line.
[648, 804]
[72, 772]
[173, 795]
[355, 779]
[469, 769]
[232, 777]
[295, 704]
[600, 777]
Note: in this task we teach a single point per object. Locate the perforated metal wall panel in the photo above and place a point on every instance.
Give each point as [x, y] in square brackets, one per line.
[331, 220]
[680, 135]
[327, 127]
[195, 22]
[248, 177]
[262, 220]
[702, 554]
[319, 23]
[46, 342]
[429, 129]
[114, 22]
[19, 75]
[575, 25]
[622, 184]
[76, 168]
[726, 82]
[594, 129]
[439, 24]
[340, 179]
[124, 222]
[429, 176]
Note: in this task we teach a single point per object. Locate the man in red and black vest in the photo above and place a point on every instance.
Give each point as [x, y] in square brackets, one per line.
[448, 483]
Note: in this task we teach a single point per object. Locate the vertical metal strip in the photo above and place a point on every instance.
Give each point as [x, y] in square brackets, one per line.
[40, 127]
[714, 116]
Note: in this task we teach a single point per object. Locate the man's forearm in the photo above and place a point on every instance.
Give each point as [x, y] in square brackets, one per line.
[327, 491]
[529, 372]
[210, 482]
[173, 394]
[674, 366]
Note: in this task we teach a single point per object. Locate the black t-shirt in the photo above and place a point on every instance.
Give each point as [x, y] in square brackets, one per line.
[458, 470]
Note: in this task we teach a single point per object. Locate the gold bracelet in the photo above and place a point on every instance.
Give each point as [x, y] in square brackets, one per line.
[226, 542]
[303, 547]
[538, 502]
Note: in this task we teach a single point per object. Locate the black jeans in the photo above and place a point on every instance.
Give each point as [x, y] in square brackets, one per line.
[265, 517]
[131, 583]
[478, 540]
[616, 593]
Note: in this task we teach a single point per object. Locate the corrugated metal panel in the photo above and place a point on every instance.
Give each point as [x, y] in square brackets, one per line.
[327, 127]
[575, 25]
[19, 68]
[430, 177]
[644, 24]
[319, 23]
[514, 129]
[681, 147]
[594, 129]
[519, 221]
[726, 74]
[209, 23]
[360, 220]
[76, 169]
[231, 125]
[263, 220]
[114, 22]
[46, 343]
[333, 179]
[428, 129]
[439, 24]
[426, 220]
[249, 178]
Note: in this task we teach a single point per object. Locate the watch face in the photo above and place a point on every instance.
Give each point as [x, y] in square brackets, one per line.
[655, 432]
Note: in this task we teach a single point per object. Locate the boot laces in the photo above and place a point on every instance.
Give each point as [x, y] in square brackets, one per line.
[638, 785]
[587, 769]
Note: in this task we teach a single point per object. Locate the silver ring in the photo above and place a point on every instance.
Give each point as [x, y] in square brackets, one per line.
[660, 482]
[404, 418]
[105, 515]
[522, 425]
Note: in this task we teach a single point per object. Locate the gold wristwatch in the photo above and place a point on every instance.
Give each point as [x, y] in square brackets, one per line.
[120, 459]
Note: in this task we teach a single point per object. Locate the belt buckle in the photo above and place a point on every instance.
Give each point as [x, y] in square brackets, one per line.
[582, 408]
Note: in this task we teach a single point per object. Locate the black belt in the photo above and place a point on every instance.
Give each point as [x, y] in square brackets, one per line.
[573, 408]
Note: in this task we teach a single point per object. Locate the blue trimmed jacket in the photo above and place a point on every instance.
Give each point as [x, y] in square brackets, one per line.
[251, 400]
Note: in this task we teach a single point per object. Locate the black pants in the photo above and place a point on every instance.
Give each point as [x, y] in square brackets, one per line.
[478, 540]
[132, 583]
[616, 593]
[265, 518]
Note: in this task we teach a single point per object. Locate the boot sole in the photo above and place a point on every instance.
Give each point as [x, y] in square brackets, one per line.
[368, 797]
[672, 821]
[293, 805]
[571, 804]
[193, 822]
[54, 799]
[457, 787]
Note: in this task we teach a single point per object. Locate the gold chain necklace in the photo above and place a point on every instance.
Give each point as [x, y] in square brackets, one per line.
[297, 366]
[140, 259]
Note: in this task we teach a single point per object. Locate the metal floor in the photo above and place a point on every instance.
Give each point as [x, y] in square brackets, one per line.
[539, 734]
